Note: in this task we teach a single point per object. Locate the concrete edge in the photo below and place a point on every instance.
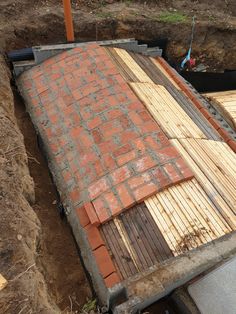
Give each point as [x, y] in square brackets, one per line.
[149, 286]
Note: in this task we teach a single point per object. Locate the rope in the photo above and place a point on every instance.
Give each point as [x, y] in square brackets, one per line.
[192, 34]
[188, 56]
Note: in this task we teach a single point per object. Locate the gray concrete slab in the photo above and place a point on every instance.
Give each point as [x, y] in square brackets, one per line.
[215, 293]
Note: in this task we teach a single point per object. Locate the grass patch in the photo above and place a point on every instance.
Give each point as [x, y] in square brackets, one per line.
[172, 17]
[104, 15]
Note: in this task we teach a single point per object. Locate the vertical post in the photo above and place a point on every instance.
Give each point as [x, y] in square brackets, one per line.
[68, 21]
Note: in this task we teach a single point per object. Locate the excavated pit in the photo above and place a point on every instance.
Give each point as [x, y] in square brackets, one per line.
[39, 256]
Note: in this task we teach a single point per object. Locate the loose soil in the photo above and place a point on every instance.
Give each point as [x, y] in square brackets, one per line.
[38, 254]
[57, 254]
[40, 22]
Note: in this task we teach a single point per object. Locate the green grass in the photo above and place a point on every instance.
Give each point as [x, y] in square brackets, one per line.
[89, 306]
[104, 15]
[172, 17]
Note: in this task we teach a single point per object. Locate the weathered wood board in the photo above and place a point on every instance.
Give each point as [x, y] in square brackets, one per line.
[214, 165]
[225, 103]
[186, 216]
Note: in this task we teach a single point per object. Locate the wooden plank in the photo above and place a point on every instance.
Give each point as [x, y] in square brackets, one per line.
[142, 236]
[143, 259]
[164, 225]
[3, 282]
[166, 111]
[194, 114]
[126, 241]
[133, 66]
[157, 241]
[213, 168]
[217, 94]
[210, 188]
[186, 216]
[225, 103]
[122, 257]
[166, 74]
[200, 230]
[126, 72]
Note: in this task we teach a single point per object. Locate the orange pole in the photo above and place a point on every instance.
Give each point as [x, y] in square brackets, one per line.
[68, 21]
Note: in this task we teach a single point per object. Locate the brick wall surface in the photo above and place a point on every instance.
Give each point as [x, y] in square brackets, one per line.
[110, 152]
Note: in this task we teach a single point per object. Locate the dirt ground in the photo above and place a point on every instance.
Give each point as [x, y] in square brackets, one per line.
[42, 21]
[38, 254]
[57, 254]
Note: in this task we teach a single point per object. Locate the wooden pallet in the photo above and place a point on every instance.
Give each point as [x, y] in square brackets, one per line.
[225, 103]
[214, 165]
[135, 241]
[166, 111]
[186, 216]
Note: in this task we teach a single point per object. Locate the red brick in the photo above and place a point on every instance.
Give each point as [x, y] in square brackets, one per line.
[87, 157]
[91, 213]
[214, 123]
[113, 203]
[122, 150]
[102, 212]
[153, 143]
[114, 113]
[224, 134]
[161, 177]
[145, 116]
[94, 237]
[83, 217]
[163, 139]
[104, 261]
[144, 163]
[135, 118]
[97, 137]
[86, 140]
[92, 124]
[145, 191]
[167, 153]
[126, 199]
[109, 162]
[137, 181]
[76, 132]
[172, 172]
[66, 175]
[232, 145]
[205, 113]
[128, 136]
[107, 147]
[196, 102]
[109, 129]
[184, 168]
[124, 159]
[98, 187]
[150, 126]
[99, 168]
[120, 174]
[112, 280]
[68, 100]
[140, 145]
[75, 195]
[125, 122]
